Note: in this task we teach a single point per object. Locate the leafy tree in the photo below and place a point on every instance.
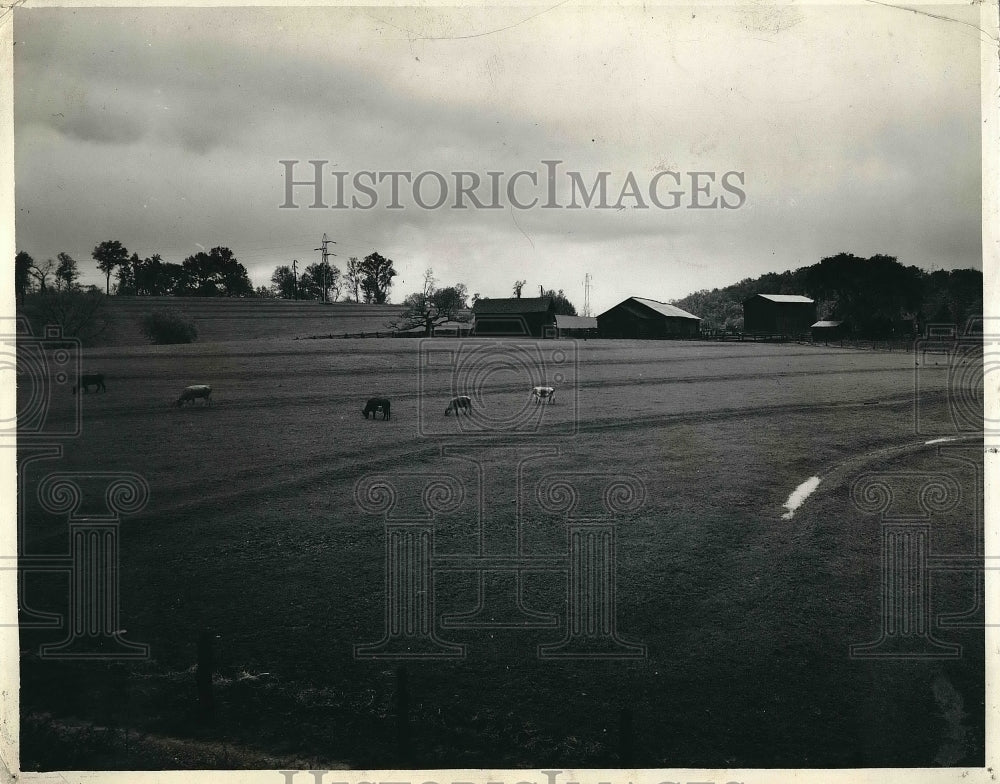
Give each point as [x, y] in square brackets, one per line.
[217, 274]
[432, 306]
[352, 279]
[518, 285]
[67, 272]
[127, 273]
[451, 300]
[108, 255]
[562, 305]
[283, 282]
[154, 278]
[377, 273]
[22, 274]
[318, 280]
[263, 292]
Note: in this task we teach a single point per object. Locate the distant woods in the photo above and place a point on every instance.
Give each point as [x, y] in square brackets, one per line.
[874, 295]
[212, 273]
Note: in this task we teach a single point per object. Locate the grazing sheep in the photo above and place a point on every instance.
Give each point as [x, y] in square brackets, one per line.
[459, 403]
[374, 405]
[543, 393]
[194, 392]
[87, 379]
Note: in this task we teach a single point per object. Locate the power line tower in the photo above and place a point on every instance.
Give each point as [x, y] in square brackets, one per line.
[586, 294]
[326, 253]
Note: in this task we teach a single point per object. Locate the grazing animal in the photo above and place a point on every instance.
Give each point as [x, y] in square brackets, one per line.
[374, 405]
[543, 393]
[87, 379]
[194, 392]
[459, 403]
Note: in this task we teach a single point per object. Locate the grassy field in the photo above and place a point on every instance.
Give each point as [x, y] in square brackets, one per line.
[252, 532]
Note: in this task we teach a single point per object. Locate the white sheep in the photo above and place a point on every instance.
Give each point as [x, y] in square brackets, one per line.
[194, 392]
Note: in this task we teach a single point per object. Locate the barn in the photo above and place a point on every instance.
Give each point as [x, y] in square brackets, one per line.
[576, 326]
[525, 316]
[788, 315]
[829, 330]
[642, 318]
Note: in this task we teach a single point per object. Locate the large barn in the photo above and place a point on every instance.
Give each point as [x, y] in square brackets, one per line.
[788, 315]
[638, 317]
[526, 316]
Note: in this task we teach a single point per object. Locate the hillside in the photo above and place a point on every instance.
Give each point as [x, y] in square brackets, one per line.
[872, 294]
[221, 319]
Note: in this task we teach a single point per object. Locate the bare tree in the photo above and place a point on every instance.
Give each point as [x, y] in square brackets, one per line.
[40, 271]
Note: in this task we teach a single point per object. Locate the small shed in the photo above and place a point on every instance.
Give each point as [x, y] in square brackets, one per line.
[516, 316]
[829, 330]
[576, 326]
[641, 318]
[787, 315]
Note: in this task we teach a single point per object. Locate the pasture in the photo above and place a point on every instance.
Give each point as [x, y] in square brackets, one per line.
[253, 533]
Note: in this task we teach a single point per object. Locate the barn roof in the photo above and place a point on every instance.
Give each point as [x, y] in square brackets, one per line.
[576, 322]
[659, 307]
[826, 324]
[784, 297]
[511, 305]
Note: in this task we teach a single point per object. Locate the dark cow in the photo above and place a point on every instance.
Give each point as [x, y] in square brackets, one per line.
[92, 379]
[192, 393]
[374, 405]
[458, 404]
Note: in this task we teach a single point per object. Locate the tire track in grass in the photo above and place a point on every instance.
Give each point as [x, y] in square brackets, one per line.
[836, 474]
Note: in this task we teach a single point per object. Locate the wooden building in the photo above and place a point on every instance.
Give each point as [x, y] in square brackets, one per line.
[640, 318]
[784, 315]
[525, 316]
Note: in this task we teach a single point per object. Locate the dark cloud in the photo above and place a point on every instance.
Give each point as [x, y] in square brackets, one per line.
[856, 130]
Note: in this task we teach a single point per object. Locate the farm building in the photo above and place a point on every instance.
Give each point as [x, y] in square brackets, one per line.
[528, 316]
[778, 314]
[830, 330]
[576, 326]
[637, 317]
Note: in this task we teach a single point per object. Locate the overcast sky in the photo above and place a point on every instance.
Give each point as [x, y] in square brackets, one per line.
[854, 129]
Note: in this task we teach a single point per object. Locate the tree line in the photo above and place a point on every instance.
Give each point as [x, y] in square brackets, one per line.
[213, 273]
[364, 280]
[876, 296]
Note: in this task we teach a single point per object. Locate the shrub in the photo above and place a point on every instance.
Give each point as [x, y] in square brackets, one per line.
[168, 326]
[81, 314]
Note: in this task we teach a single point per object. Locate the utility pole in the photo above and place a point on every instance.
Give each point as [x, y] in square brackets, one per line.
[295, 278]
[586, 294]
[326, 241]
